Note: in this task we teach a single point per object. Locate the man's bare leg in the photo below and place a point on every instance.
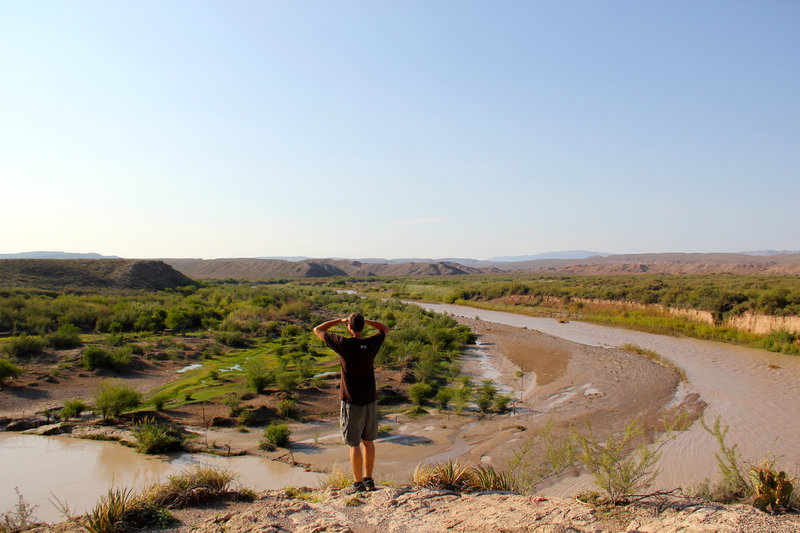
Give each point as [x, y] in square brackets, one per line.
[357, 462]
[369, 457]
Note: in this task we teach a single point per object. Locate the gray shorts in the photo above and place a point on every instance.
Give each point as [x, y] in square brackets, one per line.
[358, 422]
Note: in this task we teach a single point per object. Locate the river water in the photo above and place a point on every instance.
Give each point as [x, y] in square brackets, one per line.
[755, 392]
[79, 471]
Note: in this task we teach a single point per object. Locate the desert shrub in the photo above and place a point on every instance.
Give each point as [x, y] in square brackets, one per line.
[112, 398]
[159, 400]
[501, 402]
[616, 471]
[287, 381]
[462, 395]
[24, 346]
[275, 436]
[484, 403]
[286, 408]
[234, 339]
[67, 336]
[443, 397]
[419, 392]
[73, 409]
[735, 485]
[153, 438]
[21, 517]
[233, 403]
[114, 339]
[246, 417]
[290, 330]
[95, 357]
[9, 370]
[257, 374]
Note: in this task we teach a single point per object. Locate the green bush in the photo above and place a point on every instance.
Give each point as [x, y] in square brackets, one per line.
[112, 398]
[275, 436]
[286, 408]
[96, 357]
[233, 403]
[159, 400]
[24, 346]
[443, 397]
[8, 370]
[419, 392]
[287, 381]
[68, 336]
[73, 409]
[501, 402]
[234, 339]
[257, 374]
[153, 438]
[246, 417]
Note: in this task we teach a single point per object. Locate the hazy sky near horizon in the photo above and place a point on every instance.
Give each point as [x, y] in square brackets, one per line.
[399, 129]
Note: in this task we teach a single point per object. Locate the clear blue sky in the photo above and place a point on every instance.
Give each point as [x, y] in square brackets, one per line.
[398, 129]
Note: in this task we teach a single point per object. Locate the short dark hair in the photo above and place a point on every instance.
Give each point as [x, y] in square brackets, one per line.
[356, 322]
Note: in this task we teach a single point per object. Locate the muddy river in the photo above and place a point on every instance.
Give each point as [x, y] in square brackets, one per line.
[79, 471]
[755, 392]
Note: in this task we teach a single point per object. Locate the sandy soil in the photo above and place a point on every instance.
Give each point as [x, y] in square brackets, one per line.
[407, 510]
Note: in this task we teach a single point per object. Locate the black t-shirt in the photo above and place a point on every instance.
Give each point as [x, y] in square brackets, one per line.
[356, 355]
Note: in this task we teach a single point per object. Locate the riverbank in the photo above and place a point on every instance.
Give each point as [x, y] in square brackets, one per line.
[408, 510]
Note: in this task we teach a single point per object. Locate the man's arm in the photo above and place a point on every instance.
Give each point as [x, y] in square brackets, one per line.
[320, 330]
[380, 326]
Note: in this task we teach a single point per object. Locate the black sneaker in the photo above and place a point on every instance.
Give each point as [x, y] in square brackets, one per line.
[357, 488]
[369, 483]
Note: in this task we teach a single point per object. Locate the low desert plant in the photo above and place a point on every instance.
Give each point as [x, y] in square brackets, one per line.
[160, 399]
[191, 487]
[448, 475]
[23, 346]
[419, 392]
[233, 403]
[21, 517]
[286, 407]
[287, 381]
[72, 408]
[443, 397]
[67, 336]
[337, 478]
[257, 374]
[485, 478]
[616, 471]
[109, 513]
[153, 438]
[772, 489]
[246, 417]
[9, 370]
[275, 436]
[501, 402]
[112, 398]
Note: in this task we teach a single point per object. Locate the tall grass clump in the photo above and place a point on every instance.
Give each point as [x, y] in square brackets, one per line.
[191, 487]
[153, 438]
[113, 398]
[459, 476]
[110, 513]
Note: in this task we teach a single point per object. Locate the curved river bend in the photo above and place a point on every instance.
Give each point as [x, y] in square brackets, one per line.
[755, 392]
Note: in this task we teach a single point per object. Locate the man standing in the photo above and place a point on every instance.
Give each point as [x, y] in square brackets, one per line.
[357, 391]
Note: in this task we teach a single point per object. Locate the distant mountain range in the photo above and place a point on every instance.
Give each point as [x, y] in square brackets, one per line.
[56, 255]
[581, 263]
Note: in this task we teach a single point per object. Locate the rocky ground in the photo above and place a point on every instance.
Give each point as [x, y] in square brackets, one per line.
[407, 510]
